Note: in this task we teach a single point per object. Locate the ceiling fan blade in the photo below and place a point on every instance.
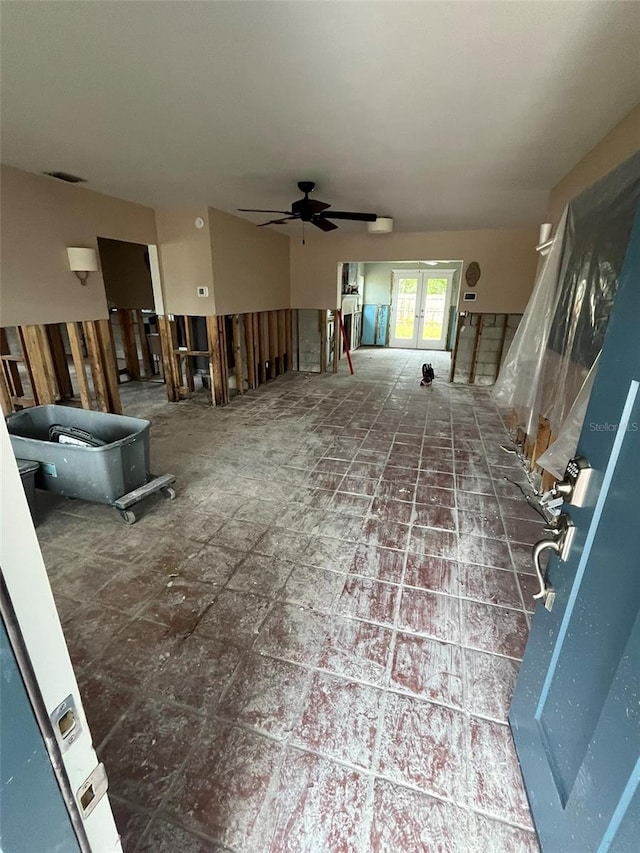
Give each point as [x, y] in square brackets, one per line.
[277, 221]
[344, 214]
[323, 224]
[256, 210]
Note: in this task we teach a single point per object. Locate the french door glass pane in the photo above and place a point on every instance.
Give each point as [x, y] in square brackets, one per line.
[405, 328]
[434, 308]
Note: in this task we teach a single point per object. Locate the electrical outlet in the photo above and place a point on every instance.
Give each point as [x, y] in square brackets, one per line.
[202, 291]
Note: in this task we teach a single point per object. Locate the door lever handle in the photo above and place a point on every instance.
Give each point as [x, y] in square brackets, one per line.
[547, 593]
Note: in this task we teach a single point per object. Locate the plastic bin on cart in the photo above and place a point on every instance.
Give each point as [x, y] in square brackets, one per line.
[116, 473]
[28, 470]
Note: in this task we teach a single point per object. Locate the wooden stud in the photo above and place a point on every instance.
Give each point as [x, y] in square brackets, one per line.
[147, 361]
[129, 345]
[256, 346]
[33, 347]
[502, 341]
[215, 366]
[249, 346]
[297, 339]
[289, 341]
[27, 364]
[336, 341]
[237, 354]
[109, 364]
[181, 389]
[188, 333]
[60, 364]
[78, 362]
[264, 344]
[322, 329]
[11, 366]
[543, 438]
[5, 395]
[282, 339]
[273, 344]
[95, 362]
[167, 357]
[224, 359]
[476, 345]
[47, 355]
[454, 355]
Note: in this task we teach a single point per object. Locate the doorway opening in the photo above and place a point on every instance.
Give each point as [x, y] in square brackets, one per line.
[401, 304]
[132, 296]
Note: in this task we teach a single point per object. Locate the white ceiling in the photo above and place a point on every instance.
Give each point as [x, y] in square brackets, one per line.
[441, 115]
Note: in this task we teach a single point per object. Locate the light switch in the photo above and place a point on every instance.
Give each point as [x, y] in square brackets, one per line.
[202, 291]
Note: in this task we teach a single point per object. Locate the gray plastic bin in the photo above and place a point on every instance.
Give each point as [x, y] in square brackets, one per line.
[116, 473]
[28, 471]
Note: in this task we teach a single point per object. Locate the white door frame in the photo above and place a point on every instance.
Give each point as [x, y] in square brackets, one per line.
[422, 275]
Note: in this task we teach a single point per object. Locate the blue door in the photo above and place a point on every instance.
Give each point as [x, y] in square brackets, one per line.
[576, 711]
[33, 815]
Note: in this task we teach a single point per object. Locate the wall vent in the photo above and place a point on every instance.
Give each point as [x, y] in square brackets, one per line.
[67, 177]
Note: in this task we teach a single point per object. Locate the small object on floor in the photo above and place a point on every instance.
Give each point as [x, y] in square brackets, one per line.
[428, 375]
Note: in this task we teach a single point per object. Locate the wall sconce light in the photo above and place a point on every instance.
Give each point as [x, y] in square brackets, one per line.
[545, 240]
[82, 262]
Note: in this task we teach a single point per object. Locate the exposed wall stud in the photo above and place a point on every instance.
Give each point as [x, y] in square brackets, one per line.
[322, 328]
[249, 346]
[147, 361]
[75, 341]
[273, 344]
[215, 366]
[99, 380]
[476, 342]
[237, 354]
[109, 364]
[129, 345]
[60, 364]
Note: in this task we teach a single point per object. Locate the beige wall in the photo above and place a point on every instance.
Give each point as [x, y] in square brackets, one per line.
[250, 265]
[378, 278]
[507, 259]
[126, 275]
[40, 218]
[185, 260]
[616, 147]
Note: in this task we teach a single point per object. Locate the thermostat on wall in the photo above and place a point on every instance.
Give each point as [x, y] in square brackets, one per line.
[469, 296]
[204, 291]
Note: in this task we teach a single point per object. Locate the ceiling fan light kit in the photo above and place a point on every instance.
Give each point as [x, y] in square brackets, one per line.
[382, 225]
[312, 210]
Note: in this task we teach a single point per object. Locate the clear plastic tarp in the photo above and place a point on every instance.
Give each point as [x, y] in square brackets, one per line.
[552, 362]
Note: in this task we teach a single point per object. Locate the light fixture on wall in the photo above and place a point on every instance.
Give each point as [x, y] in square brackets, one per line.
[82, 262]
[545, 240]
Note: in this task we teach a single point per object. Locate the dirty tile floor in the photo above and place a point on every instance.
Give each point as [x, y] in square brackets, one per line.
[314, 646]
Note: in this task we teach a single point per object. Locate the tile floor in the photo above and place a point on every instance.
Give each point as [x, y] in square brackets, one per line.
[314, 646]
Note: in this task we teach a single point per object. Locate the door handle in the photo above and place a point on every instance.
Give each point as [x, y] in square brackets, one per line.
[547, 593]
[563, 532]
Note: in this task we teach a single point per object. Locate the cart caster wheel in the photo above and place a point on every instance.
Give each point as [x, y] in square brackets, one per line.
[128, 516]
[168, 494]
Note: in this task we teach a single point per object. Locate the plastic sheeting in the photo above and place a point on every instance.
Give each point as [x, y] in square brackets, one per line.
[556, 457]
[552, 361]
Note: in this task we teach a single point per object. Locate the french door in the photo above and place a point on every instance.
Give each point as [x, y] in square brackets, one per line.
[420, 308]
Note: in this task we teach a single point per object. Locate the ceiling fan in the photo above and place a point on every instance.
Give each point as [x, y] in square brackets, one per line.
[311, 210]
